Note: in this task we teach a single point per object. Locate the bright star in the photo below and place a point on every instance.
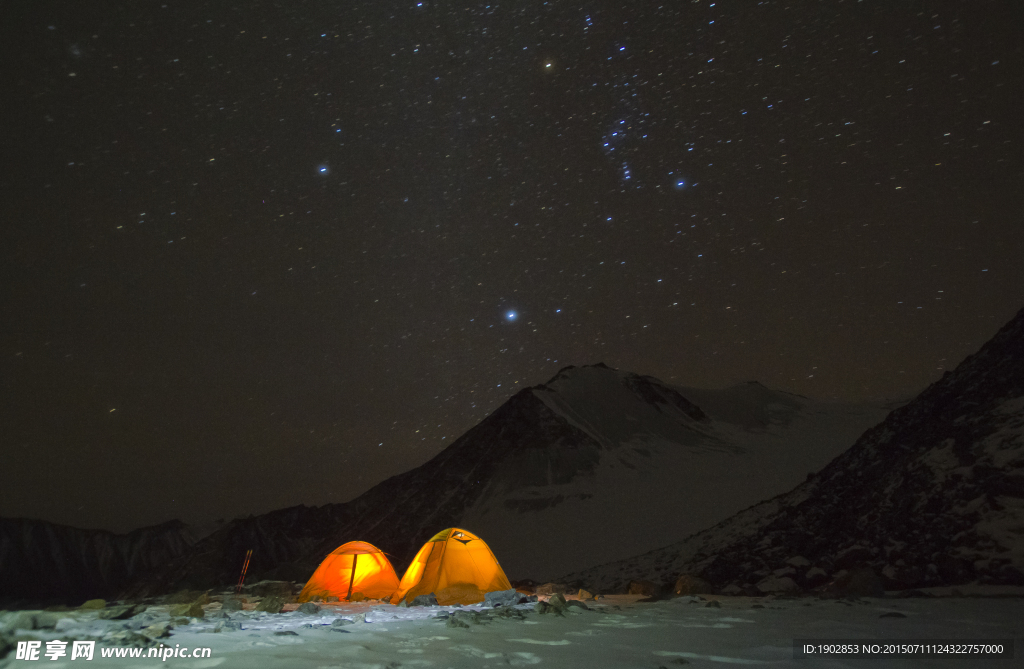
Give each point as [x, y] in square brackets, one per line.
[511, 316]
[323, 169]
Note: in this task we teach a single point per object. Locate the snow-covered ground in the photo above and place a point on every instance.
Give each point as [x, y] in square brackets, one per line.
[614, 632]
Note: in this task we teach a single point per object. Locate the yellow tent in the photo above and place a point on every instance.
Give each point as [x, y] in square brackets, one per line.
[353, 571]
[457, 566]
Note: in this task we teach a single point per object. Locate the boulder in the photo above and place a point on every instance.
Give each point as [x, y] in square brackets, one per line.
[815, 576]
[551, 588]
[861, 582]
[688, 584]
[798, 561]
[232, 603]
[309, 608]
[777, 585]
[93, 604]
[271, 604]
[125, 612]
[649, 588]
[503, 598]
[853, 556]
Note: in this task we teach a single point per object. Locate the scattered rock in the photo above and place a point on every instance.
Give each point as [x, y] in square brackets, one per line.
[649, 588]
[424, 600]
[309, 608]
[271, 604]
[93, 604]
[688, 584]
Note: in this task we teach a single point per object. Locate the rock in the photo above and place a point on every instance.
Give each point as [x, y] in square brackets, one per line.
[576, 604]
[341, 622]
[124, 612]
[309, 608]
[45, 620]
[893, 614]
[271, 604]
[22, 620]
[158, 630]
[424, 600]
[453, 622]
[360, 618]
[541, 607]
[815, 576]
[732, 589]
[713, 604]
[286, 633]
[584, 594]
[557, 603]
[231, 603]
[93, 604]
[333, 598]
[283, 589]
[185, 597]
[777, 585]
[551, 589]
[356, 597]
[6, 645]
[799, 562]
[649, 588]
[65, 624]
[854, 556]
[688, 584]
[403, 604]
[193, 610]
[502, 598]
[861, 582]
[784, 571]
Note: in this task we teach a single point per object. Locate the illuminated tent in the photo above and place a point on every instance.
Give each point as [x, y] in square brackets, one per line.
[353, 571]
[457, 566]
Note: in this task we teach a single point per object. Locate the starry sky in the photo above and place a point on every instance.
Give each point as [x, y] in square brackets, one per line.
[271, 253]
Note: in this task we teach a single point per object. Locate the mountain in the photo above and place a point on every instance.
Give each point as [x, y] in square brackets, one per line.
[934, 495]
[594, 465]
[40, 560]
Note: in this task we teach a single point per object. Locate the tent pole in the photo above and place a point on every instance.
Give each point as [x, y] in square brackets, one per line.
[351, 577]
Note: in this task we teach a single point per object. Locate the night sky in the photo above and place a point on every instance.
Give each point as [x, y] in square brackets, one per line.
[267, 254]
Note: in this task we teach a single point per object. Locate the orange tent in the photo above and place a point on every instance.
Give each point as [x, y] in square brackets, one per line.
[356, 569]
[457, 566]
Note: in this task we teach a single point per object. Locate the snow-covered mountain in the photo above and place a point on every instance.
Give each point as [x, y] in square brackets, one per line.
[934, 495]
[596, 464]
[40, 560]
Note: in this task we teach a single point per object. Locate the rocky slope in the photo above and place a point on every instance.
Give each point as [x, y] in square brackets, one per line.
[40, 560]
[934, 495]
[594, 465]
